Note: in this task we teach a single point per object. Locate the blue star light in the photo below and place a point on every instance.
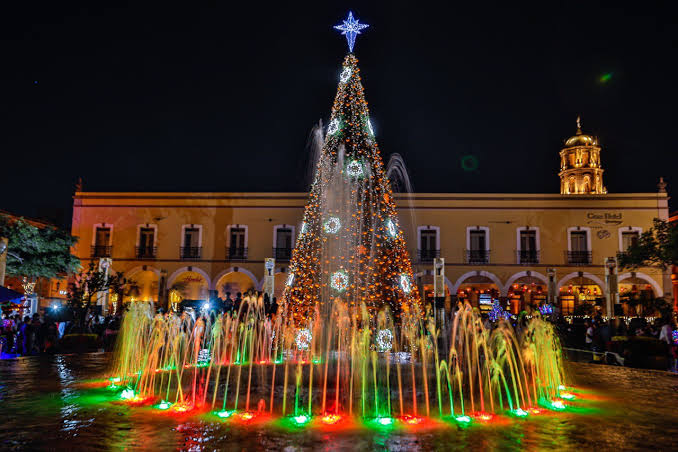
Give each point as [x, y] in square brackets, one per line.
[351, 28]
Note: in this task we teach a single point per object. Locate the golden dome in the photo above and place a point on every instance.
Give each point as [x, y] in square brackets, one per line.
[581, 139]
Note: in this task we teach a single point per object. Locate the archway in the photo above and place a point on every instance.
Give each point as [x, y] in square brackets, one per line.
[189, 285]
[636, 292]
[144, 284]
[526, 290]
[234, 282]
[479, 288]
[425, 283]
[580, 292]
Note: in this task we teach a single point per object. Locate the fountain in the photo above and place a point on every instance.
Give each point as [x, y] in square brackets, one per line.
[352, 340]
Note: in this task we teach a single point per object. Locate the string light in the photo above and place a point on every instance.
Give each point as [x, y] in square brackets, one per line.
[354, 168]
[345, 75]
[391, 229]
[333, 127]
[351, 28]
[303, 339]
[405, 283]
[332, 225]
[369, 127]
[339, 280]
[384, 340]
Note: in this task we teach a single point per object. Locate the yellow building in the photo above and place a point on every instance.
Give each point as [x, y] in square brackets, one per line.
[495, 246]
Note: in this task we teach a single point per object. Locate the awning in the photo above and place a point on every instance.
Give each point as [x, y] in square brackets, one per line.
[10, 296]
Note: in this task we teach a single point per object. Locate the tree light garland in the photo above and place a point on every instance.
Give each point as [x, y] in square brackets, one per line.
[332, 225]
[303, 339]
[333, 127]
[354, 168]
[345, 75]
[391, 229]
[384, 341]
[339, 281]
[369, 127]
[405, 283]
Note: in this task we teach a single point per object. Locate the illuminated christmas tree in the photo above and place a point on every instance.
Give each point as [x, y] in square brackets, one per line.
[350, 246]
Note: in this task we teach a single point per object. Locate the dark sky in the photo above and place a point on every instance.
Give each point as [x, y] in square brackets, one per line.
[222, 97]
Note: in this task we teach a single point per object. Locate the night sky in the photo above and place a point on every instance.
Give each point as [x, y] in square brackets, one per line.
[223, 97]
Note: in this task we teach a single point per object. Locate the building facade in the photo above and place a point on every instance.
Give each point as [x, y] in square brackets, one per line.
[512, 247]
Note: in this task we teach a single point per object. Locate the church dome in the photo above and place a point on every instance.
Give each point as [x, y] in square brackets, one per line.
[580, 138]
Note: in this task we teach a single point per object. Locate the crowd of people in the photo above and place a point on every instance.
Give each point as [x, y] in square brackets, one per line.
[37, 334]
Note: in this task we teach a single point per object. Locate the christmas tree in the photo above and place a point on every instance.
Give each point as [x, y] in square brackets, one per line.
[350, 247]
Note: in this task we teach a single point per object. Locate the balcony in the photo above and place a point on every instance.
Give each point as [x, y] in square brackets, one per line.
[236, 254]
[101, 251]
[146, 252]
[426, 256]
[527, 257]
[190, 252]
[477, 257]
[282, 254]
[578, 257]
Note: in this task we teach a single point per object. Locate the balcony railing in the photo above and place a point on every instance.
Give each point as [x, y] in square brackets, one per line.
[477, 257]
[527, 256]
[236, 253]
[282, 254]
[190, 252]
[578, 257]
[146, 252]
[102, 251]
[427, 256]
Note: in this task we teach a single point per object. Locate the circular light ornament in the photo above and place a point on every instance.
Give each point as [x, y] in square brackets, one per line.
[339, 280]
[384, 340]
[303, 339]
[354, 168]
[345, 75]
[391, 229]
[333, 127]
[405, 283]
[332, 225]
[290, 279]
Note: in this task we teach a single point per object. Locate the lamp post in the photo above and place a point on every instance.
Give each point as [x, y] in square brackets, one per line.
[612, 292]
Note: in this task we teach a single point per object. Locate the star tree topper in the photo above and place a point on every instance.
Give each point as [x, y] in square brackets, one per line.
[351, 28]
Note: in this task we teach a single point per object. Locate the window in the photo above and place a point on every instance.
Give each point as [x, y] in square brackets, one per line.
[237, 242]
[579, 246]
[191, 242]
[428, 243]
[282, 242]
[477, 245]
[528, 248]
[102, 241]
[628, 236]
[146, 248]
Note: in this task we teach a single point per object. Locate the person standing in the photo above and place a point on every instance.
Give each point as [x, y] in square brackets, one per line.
[589, 335]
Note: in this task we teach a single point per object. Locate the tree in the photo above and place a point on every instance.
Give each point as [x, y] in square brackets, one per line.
[88, 286]
[37, 252]
[350, 247]
[657, 246]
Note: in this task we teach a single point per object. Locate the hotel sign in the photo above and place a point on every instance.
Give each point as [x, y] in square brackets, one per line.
[604, 218]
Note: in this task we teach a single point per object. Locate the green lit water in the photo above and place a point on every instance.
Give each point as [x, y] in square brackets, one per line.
[44, 408]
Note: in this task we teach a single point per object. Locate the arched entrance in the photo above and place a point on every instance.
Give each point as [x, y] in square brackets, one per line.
[637, 292]
[143, 284]
[233, 281]
[426, 286]
[581, 293]
[481, 289]
[526, 291]
[188, 285]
